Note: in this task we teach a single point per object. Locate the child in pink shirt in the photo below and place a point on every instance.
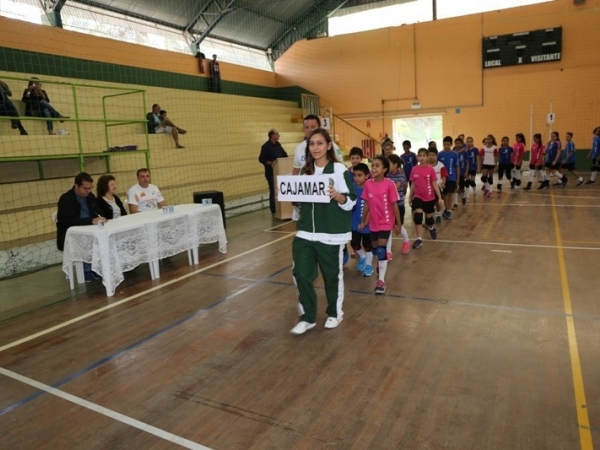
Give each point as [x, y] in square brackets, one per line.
[422, 197]
[381, 213]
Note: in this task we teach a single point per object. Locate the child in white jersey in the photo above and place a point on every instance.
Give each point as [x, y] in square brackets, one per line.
[489, 157]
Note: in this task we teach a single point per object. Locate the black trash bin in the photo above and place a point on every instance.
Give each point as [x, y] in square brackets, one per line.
[216, 197]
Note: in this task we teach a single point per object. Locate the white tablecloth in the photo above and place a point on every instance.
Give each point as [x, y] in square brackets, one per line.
[129, 241]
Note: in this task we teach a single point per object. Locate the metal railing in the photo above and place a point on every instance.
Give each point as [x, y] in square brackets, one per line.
[343, 133]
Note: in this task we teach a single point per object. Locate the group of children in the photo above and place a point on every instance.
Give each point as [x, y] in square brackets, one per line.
[369, 204]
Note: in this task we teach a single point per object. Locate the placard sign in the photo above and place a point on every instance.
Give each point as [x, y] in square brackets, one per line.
[303, 188]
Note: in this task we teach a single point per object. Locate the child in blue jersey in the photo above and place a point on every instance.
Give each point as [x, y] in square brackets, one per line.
[361, 239]
[568, 162]
[409, 159]
[398, 176]
[553, 156]
[449, 158]
[463, 169]
[473, 161]
[356, 156]
[505, 165]
[594, 156]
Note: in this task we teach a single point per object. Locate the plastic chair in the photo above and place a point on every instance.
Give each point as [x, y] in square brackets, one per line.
[77, 264]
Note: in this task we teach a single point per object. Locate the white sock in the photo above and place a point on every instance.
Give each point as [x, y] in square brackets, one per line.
[389, 244]
[559, 175]
[455, 198]
[369, 259]
[487, 186]
[531, 175]
[361, 253]
[404, 234]
[580, 179]
[382, 268]
[593, 176]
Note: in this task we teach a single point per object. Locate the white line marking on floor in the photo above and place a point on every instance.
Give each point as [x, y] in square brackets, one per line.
[538, 204]
[511, 245]
[133, 297]
[277, 226]
[105, 411]
[501, 251]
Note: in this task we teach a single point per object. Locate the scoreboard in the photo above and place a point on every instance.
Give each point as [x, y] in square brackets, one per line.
[528, 47]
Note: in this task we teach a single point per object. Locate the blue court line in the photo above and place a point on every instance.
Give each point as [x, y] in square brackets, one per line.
[118, 353]
[428, 299]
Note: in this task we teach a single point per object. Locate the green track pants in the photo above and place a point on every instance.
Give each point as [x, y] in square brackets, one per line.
[308, 255]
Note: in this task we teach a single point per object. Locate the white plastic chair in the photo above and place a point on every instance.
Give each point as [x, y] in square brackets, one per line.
[78, 264]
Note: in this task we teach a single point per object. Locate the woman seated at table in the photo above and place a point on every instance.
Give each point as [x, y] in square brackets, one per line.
[109, 203]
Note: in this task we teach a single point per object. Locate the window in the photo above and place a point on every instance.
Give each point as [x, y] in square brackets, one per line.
[372, 17]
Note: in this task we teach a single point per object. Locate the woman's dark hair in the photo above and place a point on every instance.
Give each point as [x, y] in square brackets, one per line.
[491, 136]
[557, 135]
[102, 186]
[537, 136]
[309, 165]
[521, 136]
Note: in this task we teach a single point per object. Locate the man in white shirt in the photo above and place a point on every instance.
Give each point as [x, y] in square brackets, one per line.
[144, 196]
[310, 124]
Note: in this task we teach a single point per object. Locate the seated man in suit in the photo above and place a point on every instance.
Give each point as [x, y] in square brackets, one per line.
[160, 123]
[78, 206]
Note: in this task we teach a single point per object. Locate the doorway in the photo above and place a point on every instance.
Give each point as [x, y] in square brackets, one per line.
[418, 130]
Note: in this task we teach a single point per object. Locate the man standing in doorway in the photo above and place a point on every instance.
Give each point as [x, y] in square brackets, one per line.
[269, 152]
[215, 75]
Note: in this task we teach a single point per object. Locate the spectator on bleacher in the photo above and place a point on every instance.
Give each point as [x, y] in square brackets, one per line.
[78, 206]
[215, 75]
[109, 203]
[7, 108]
[37, 104]
[158, 123]
[269, 152]
[144, 196]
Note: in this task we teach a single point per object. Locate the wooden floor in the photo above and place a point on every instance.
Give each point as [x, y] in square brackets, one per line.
[488, 338]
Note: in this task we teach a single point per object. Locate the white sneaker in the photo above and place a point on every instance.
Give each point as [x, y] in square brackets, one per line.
[302, 327]
[333, 322]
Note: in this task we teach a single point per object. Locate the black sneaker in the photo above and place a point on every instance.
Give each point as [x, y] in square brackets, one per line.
[528, 187]
[433, 233]
[590, 182]
[565, 180]
[464, 201]
[418, 243]
[580, 182]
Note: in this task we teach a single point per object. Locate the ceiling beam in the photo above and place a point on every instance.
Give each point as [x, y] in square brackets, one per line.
[194, 38]
[310, 25]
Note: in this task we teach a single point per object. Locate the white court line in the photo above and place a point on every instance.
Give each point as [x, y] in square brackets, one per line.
[133, 297]
[277, 226]
[505, 244]
[562, 196]
[537, 204]
[105, 411]
[501, 251]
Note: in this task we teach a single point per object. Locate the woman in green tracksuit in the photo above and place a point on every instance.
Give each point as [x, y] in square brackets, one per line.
[323, 230]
